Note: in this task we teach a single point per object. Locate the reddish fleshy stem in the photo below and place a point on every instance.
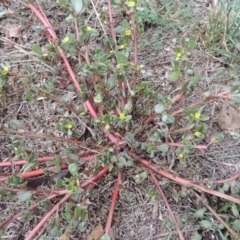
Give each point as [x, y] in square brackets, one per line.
[34, 173]
[224, 94]
[237, 175]
[47, 216]
[42, 159]
[95, 178]
[123, 98]
[111, 22]
[113, 203]
[167, 204]
[208, 99]
[88, 104]
[182, 181]
[67, 196]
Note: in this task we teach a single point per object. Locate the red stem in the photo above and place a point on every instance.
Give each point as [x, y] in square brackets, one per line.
[47, 216]
[113, 203]
[42, 159]
[182, 181]
[237, 175]
[167, 204]
[111, 22]
[88, 104]
[123, 98]
[34, 173]
[95, 178]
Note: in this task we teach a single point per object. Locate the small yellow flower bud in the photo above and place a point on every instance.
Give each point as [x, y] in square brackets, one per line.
[181, 156]
[68, 125]
[122, 116]
[5, 70]
[197, 115]
[89, 29]
[178, 55]
[198, 134]
[128, 32]
[122, 46]
[66, 40]
[131, 4]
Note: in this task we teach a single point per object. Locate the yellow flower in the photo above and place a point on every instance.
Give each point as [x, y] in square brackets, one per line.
[66, 40]
[131, 4]
[122, 116]
[122, 46]
[89, 29]
[164, 113]
[68, 126]
[181, 156]
[198, 134]
[178, 55]
[128, 32]
[5, 70]
[73, 182]
[197, 115]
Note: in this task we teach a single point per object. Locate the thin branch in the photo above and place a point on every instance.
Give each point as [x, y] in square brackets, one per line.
[167, 204]
[95, 178]
[42, 136]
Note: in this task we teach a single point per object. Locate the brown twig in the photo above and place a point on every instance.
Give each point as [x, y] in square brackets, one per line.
[167, 204]
[67, 106]
[161, 63]
[42, 136]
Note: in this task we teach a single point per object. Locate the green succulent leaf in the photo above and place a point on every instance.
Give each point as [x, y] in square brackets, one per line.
[77, 6]
[24, 196]
[73, 169]
[105, 237]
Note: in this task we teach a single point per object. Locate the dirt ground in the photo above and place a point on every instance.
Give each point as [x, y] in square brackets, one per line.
[135, 216]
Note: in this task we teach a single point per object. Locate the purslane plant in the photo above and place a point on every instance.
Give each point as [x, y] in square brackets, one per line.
[112, 94]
